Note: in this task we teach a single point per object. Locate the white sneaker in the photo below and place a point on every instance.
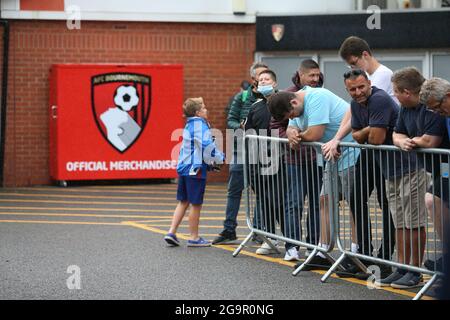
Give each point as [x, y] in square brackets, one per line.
[266, 249]
[291, 255]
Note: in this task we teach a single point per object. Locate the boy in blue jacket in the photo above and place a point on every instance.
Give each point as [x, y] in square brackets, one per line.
[197, 155]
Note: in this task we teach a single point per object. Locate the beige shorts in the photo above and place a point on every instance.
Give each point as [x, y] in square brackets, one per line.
[406, 196]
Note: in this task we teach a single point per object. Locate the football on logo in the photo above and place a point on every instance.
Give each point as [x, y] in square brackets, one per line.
[126, 97]
[121, 106]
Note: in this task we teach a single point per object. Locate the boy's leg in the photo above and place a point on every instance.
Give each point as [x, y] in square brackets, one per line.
[194, 219]
[196, 191]
[178, 215]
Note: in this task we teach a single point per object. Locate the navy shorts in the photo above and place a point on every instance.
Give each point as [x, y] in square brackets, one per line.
[191, 189]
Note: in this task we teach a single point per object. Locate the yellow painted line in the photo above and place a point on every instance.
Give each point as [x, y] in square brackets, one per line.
[72, 196]
[213, 235]
[166, 218]
[61, 222]
[172, 203]
[282, 262]
[137, 225]
[110, 209]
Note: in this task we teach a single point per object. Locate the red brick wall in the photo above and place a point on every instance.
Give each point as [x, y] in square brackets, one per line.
[216, 58]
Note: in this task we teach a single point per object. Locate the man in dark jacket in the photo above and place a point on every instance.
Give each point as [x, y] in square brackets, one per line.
[265, 171]
[308, 74]
[238, 113]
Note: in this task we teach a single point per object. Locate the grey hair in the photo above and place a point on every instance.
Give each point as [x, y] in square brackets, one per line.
[435, 88]
[255, 66]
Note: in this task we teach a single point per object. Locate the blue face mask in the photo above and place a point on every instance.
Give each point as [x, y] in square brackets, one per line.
[265, 90]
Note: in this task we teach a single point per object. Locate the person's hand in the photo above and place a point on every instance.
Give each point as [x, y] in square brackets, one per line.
[331, 150]
[407, 144]
[294, 138]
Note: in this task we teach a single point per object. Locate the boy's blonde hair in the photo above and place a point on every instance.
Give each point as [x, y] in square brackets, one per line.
[191, 106]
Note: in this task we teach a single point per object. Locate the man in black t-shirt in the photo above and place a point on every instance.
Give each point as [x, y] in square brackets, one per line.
[374, 114]
[416, 127]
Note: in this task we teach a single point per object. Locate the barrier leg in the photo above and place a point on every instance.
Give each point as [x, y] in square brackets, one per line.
[308, 260]
[243, 244]
[333, 267]
[426, 287]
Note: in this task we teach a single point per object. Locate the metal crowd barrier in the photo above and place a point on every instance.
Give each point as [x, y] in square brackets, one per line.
[271, 169]
[381, 244]
[268, 192]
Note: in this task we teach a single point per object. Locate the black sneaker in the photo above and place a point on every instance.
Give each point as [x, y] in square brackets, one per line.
[434, 265]
[225, 238]
[386, 282]
[317, 263]
[353, 272]
[408, 281]
[385, 271]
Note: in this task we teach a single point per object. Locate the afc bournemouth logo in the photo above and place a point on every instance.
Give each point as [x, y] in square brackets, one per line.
[278, 32]
[121, 106]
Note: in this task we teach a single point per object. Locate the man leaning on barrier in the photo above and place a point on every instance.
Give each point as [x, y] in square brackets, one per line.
[317, 114]
[373, 112]
[416, 127]
[304, 175]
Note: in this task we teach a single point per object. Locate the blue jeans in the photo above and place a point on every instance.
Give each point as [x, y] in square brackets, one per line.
[303, 180]
[235, 188]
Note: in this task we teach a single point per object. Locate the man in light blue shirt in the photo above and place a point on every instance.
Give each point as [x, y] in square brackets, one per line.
[320, 119]
[316, 115]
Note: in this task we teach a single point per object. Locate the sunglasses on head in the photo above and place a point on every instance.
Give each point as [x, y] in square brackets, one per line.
[353, 73]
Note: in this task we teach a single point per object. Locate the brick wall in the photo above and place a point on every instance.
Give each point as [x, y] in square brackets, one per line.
[216, 58]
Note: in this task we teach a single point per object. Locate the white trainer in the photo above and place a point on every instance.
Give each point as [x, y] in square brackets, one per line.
[266, 249]
[292, 255]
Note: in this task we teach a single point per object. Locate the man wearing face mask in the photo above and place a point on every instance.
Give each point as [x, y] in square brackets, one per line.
[265, 174]
[238, 113]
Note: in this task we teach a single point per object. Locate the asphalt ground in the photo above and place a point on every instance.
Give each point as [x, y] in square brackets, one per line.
[106, 242]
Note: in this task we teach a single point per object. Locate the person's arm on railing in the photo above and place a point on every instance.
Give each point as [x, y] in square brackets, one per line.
[362, 135]
[407, 144]
[313, 133]
[330, 149]
[377, 135]
[403, 141]
[293, 135]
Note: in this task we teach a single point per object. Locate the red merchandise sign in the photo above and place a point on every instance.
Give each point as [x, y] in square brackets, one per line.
[114, 122]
